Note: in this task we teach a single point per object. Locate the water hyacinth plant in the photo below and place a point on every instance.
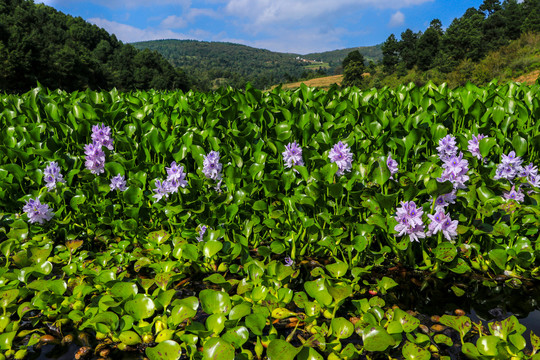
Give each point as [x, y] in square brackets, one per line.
[474, 145]
[296, 261]
[441, 222]
[52, 175]
[342, 156]
[409, 218]
[118, 183]
[211, 166]
[292, 155]
[37, 212]
[95, 158]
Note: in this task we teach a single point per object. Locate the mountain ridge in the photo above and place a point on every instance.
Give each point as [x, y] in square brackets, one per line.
[213, 63]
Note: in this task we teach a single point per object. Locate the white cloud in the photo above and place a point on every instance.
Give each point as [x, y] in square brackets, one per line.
[397, 19]
[128, 33]
[266, 12]
[175, 22]
[120, 4]
[299, 42]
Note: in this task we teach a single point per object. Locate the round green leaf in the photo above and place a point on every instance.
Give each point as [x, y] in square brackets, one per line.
[141, 307]
[281, 350]
[166, 350]
[215, 302]
[412, 351]
[217, 349]
[376, 338]
[445, 252]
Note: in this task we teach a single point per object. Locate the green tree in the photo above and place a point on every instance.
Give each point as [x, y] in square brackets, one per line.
[513, 18]
[428, 48]
[353, 69]
[408, 48]
[390, 51]
[464, 37]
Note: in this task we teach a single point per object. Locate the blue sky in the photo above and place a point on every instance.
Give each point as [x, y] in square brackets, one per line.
[296, 26]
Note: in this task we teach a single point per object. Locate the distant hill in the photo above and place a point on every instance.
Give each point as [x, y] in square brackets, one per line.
[212, 64]
[335, 57]
[40, 44]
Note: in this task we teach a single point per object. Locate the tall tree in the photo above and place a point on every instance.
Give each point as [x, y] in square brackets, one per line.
[513, 18]
[428, 48]
[532, 21]
[464, 37]
[390, 51]
[353, 69]
[407, 48]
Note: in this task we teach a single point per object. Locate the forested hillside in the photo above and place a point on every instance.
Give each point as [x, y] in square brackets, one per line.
[39, 43]
[468, 38]
[211, 64]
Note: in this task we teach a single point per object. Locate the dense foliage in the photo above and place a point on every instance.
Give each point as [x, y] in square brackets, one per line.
[277, 225]
[470, 37]
[41, 44]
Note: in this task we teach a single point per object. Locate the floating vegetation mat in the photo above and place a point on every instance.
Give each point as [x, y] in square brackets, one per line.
[308, 224]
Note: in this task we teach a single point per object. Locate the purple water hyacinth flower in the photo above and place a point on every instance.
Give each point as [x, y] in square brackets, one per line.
[509, 168]
[342, 156]
[289, 261]
[514, 195]
[118, 183]
[474, 145]
[176, 173]
[211, 166]
[455, 171]
[95, 158]
[52, 175]
[534, 180]
[447, 147]
[444, 200]
[202, 231]
[37, 212]
[292, 155]
[443, 223]
[392, 166]
[101, 135]
[528, 170]
[409, 219]
[161, 190]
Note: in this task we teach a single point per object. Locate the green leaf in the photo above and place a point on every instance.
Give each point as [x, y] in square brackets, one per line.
[236, 336]
[487, 345]
[184, 309]
[317, 289]
[211, 248]
[217, 349]
[412, 351]
[337, 269]
[376, 338]
[443, 339]
[141, 307]
[166, 350]
[256, 323]
[281, 350]
[445, 252]
[124, 290]
[341, 328]
[519, 144]
[499, 257]
[133, 195]
[215, 302]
